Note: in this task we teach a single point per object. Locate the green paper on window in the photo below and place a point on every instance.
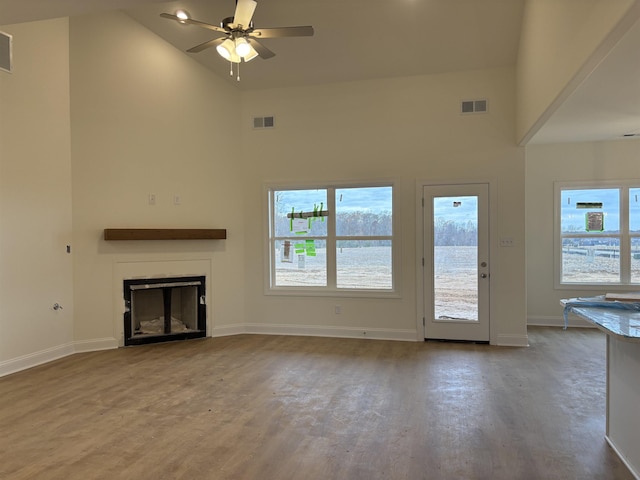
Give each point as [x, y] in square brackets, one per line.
[310, 247]
[300, 248]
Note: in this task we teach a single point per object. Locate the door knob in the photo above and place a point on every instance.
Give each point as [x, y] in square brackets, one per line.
[483, 275]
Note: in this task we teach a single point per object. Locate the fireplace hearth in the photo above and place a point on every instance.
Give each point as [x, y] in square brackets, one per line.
[164, 309]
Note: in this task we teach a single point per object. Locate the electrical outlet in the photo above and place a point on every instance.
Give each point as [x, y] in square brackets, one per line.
[338, 309]
[152, 199]
[177, 199]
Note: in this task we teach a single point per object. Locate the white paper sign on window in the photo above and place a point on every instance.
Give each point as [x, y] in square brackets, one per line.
[300, 225]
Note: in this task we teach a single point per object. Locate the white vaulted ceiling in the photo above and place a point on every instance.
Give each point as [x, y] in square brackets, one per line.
[358, 40]
[354, 40]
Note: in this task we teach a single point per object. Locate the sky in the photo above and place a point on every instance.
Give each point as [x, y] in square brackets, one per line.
[369, 199]
[465, 211]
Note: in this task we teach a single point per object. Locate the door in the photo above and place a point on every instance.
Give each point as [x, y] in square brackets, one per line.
[456, 262]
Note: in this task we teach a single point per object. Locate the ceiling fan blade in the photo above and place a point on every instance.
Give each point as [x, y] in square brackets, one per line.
[244, 13]
[190, 21]
[263, 51]
[306, 31]
[203, 46]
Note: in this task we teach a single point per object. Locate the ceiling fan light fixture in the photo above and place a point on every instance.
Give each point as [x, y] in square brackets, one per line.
[251, 55]
[182, 15]
[242, 47]
[227, 49]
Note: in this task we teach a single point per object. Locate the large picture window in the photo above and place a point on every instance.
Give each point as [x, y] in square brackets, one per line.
[599, 233]
[332, 239]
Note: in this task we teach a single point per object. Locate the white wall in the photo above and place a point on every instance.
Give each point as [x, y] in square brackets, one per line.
[546, 164]
[35, 198]
[146, 118]
[406, 129]
[561, 42]
[98, 116]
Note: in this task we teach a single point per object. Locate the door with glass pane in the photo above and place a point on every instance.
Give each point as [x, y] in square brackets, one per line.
[456, 262]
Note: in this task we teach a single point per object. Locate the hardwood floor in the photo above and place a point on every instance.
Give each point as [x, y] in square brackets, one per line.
[275, 407]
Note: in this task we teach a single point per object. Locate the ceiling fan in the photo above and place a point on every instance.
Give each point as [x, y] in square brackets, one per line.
[240, 39]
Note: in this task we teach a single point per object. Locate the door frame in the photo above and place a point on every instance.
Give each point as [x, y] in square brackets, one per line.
[420, 241]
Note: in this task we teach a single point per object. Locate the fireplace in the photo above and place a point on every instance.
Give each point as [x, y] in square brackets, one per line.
[164, 309]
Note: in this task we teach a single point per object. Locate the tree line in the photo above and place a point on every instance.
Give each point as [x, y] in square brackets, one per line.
[446, 232]
[347, 224]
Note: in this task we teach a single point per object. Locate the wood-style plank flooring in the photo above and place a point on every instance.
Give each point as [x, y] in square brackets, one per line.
[276, 407]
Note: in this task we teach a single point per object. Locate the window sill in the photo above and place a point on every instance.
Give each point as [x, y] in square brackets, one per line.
[310, 292]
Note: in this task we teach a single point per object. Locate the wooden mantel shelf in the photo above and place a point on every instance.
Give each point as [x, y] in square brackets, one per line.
[165, 233]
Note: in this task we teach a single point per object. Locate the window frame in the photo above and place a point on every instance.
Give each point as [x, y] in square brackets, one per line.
[624, 235]
[331, 239]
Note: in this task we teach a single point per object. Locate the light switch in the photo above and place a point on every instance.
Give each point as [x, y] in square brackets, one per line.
[506, 242]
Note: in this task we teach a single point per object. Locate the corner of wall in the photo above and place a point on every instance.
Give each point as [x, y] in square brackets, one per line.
[561, 43]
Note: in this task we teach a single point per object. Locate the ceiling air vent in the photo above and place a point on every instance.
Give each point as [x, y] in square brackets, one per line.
[264, 122]
[474, 106]
[6, 47]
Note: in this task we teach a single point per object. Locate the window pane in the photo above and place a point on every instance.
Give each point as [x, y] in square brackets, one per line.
[300, 262]
[363, 211]
[300, 201]
[364, 264]
[455, 258]
[635, 260]
[634, 210]
[455, 221]
[455, 283]
[590, 210]
[590, 260]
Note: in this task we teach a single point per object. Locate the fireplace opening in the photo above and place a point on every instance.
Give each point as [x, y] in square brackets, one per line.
[164, 309]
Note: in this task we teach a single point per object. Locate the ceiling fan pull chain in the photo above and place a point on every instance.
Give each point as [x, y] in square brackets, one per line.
[238, 71]
[230, 68]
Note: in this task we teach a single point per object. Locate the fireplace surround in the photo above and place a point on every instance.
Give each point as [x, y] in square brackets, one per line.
[164, 309]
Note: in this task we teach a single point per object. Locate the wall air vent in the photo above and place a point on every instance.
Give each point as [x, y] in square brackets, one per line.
[6, 52]
[474, 106]
[264, 122]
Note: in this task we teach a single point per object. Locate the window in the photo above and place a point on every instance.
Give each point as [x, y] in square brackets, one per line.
[599, 234]
[332, 239]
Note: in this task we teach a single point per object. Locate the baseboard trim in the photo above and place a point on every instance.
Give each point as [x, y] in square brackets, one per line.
[622, 458]
[228, 330]
[542, 321]
[335, 332]
[510, 340]
[27, 361]
[31, 360]
[95, 345]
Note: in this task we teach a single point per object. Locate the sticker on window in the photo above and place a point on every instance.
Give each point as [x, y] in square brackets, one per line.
[594, 221]
[589, 205]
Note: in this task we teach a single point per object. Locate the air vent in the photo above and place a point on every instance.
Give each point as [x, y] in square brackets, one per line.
[6, 48]
[474, 106]
[264, 122]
